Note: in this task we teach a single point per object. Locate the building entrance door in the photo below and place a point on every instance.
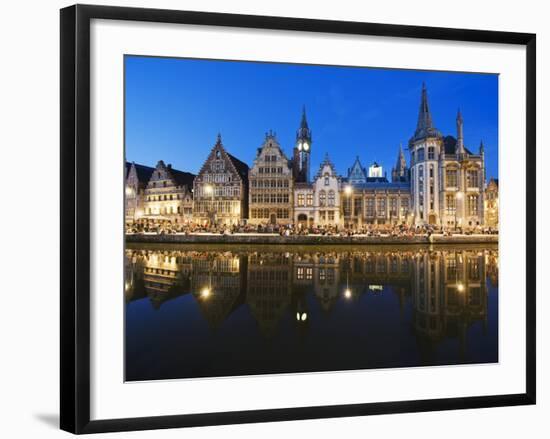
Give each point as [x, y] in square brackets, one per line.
[431, 219]
[273, 219]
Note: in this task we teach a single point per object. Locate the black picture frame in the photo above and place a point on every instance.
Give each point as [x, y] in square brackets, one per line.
[75, 217]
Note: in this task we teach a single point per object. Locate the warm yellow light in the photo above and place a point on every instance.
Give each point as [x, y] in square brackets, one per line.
[208, 189]
[298, 316]
[205, 293]
[348, 190]
[306, 146]
[460, 288]
[304, 317]
[459, 195]
[347, 293]
[129, 191]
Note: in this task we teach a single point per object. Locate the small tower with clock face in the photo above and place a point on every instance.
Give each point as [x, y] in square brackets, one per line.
[302, 151]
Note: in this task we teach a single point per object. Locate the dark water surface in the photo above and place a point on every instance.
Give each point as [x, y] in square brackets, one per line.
[206, 310]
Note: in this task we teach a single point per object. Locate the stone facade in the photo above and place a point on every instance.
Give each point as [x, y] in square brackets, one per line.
[326, 186]
[168, 195]
[444, 186]
[446, 178]
[491, 203]
[271, 185]
[221, 189]
[137, 177]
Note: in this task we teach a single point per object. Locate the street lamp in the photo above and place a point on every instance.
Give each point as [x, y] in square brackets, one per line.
[458, 196]
[348, 190]
[209, 189]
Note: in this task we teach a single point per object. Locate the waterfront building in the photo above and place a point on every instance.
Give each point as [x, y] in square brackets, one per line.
[326, 188]
[447, 179]
[373, 200]
[221, 189]
[137, 177]
[304, 208]
[491, 203]
[271, 185]
[168, 196]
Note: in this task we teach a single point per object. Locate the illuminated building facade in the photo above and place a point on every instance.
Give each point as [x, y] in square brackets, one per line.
[168, 195]
[137, 177]
[491, 203]
[447, 179]
[271, 185]
[221, 189]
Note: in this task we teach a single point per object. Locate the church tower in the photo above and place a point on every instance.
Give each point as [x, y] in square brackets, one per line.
[302, 151]
[425, 147]
[400, 171]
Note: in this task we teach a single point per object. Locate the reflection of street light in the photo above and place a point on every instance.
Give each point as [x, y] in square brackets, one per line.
[347, 293]
[301, 316]
[205, 292]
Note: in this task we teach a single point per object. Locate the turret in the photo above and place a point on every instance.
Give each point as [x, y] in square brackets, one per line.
[459, 133]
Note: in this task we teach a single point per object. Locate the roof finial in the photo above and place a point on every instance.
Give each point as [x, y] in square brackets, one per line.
[219, 139]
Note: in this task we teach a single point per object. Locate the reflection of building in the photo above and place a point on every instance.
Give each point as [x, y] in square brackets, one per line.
[491, 203]
[447, 178]
[269, 288]
[137, 177]
[449, 295]
[445, 290]
[271, 185]
[168, 195]
[218, 281]
[221, 189]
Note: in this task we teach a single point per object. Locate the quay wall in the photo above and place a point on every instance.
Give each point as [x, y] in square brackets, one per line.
[309, 239]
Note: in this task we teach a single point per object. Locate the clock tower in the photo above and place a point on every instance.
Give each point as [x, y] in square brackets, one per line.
[302, 151]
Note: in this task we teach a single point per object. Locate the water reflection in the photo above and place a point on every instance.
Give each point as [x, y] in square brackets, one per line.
[233, 311]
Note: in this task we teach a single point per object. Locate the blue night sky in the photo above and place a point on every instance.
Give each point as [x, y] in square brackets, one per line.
[175, 108]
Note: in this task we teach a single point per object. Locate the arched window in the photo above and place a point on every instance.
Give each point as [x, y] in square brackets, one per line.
[322, 198]
[331, 198]
[420, 154]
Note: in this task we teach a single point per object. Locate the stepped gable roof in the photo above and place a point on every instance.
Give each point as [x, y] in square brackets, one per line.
[241, 167]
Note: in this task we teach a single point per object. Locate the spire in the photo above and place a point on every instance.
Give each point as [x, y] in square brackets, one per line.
[401, 162]
[424, 115]
[219, 139]
[481, 148]
[459, 133]
[424, 126]
[303, 124]
[304, 133]
[399, 172]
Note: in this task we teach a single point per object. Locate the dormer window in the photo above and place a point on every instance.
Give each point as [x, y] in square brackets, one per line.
[218, 154]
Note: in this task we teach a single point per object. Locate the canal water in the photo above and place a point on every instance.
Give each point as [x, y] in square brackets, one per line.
[207, 310]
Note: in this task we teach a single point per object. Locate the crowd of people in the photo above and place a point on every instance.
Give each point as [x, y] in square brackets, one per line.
[394, 230]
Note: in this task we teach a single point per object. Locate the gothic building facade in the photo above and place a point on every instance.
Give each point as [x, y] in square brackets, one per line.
[220, 194]
[447, 179]
[443, 186]
[271, 185]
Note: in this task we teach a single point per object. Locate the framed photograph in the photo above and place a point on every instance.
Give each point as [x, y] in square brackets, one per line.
[268, 218]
